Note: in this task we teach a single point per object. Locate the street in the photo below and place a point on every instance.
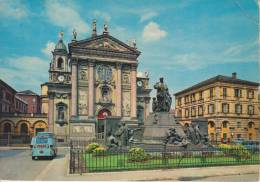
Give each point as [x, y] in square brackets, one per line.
[18, 164]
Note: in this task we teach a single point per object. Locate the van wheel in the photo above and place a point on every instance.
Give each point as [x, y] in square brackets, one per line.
[33, 158]
[51, 157]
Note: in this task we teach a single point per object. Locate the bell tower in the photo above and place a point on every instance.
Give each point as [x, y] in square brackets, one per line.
[59, 65]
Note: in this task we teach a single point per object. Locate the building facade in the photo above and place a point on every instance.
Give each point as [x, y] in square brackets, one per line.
[94, 79]
[230, 106]
[32, 99]
[14, 117]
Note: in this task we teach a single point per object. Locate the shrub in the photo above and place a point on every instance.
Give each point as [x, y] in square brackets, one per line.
[137, 155]
[236, 151]
[92, 146]
[99, 151]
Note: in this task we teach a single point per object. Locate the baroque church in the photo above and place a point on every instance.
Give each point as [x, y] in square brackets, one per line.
[94, 79]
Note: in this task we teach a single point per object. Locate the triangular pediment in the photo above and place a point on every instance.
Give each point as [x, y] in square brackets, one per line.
[105, 42]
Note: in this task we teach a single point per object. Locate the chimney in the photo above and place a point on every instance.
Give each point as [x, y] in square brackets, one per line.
[94, 28]
[234, 75]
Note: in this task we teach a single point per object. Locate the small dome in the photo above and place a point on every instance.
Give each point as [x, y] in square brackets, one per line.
[60, 46]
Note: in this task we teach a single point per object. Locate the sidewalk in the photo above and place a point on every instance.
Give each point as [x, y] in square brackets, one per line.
[58, 170]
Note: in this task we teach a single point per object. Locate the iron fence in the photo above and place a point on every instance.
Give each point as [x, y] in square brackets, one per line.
[81, 161]
[8, 139]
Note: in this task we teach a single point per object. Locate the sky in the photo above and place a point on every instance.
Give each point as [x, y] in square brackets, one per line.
[183, 41]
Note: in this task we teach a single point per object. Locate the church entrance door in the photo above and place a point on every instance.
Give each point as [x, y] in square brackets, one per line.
[101, 117]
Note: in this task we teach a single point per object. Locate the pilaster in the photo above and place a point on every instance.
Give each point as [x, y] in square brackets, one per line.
[133, 90]
[119, 90]
[74, 85]
[91, 94]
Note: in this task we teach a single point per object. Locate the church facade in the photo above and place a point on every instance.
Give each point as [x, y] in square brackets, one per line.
[95, 79]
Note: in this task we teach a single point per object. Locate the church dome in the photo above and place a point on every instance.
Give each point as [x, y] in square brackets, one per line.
[60, 46]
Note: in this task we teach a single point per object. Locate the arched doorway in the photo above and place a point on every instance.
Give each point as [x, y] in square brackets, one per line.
[7, 128]
[211, 131]
[251, 131]
[102, 114]
[24, 128]
[39, 126]
[225, 136]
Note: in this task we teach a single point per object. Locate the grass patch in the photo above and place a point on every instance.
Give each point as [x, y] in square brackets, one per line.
[120, 161]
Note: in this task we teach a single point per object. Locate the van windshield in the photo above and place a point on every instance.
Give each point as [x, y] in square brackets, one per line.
[41, 140]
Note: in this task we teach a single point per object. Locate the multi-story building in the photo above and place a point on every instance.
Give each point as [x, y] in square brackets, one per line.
[14, 116]
[10, 102]
[33, 100]
[230, 106]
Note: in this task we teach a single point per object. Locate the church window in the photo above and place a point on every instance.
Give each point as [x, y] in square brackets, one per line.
[104, 72]
[61, 113]
[60, 63]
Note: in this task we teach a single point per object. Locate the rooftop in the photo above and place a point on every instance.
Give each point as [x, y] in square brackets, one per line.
[219, 78]
[26, 92]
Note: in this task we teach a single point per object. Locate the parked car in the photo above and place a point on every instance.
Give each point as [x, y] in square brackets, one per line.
[44, 145]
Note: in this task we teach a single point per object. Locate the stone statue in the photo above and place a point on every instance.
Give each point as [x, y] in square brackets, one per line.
[74, 33]
[122, 134]
[164, 100]
[172, 137]
[131, 135]
[194, 134]
[112, 142]
[154, 104]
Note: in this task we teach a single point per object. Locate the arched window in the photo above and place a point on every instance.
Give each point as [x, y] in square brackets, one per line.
[250, 124]
[24, 128]
[7, 128]
[211, 124]
[61, 113]
[186, 125]
[224, 124]
[60, 63]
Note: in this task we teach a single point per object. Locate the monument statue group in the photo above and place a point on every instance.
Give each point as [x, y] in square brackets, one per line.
[160, 129]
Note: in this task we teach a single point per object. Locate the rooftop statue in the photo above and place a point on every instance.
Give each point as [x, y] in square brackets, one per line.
[163, 100]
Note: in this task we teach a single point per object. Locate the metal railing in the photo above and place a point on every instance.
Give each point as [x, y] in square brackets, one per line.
[81, 161]
[8, 139]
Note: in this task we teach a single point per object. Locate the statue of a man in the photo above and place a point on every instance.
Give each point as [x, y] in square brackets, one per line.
[163, 96]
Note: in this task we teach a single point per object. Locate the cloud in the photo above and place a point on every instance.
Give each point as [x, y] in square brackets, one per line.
[65, 16]
[49, 47]
[148, 15]
[152, 32]
[13, 9]
[105, 16]
[26, 72]
[236, 53]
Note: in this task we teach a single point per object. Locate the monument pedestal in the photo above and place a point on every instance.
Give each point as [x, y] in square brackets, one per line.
[157, 125]
[83, 130]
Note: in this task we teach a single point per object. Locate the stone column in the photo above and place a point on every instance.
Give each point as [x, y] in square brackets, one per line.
[91, 94]
[133, 90]
[74, 86]
[119, 90]
[51, 112]
[147, 108]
